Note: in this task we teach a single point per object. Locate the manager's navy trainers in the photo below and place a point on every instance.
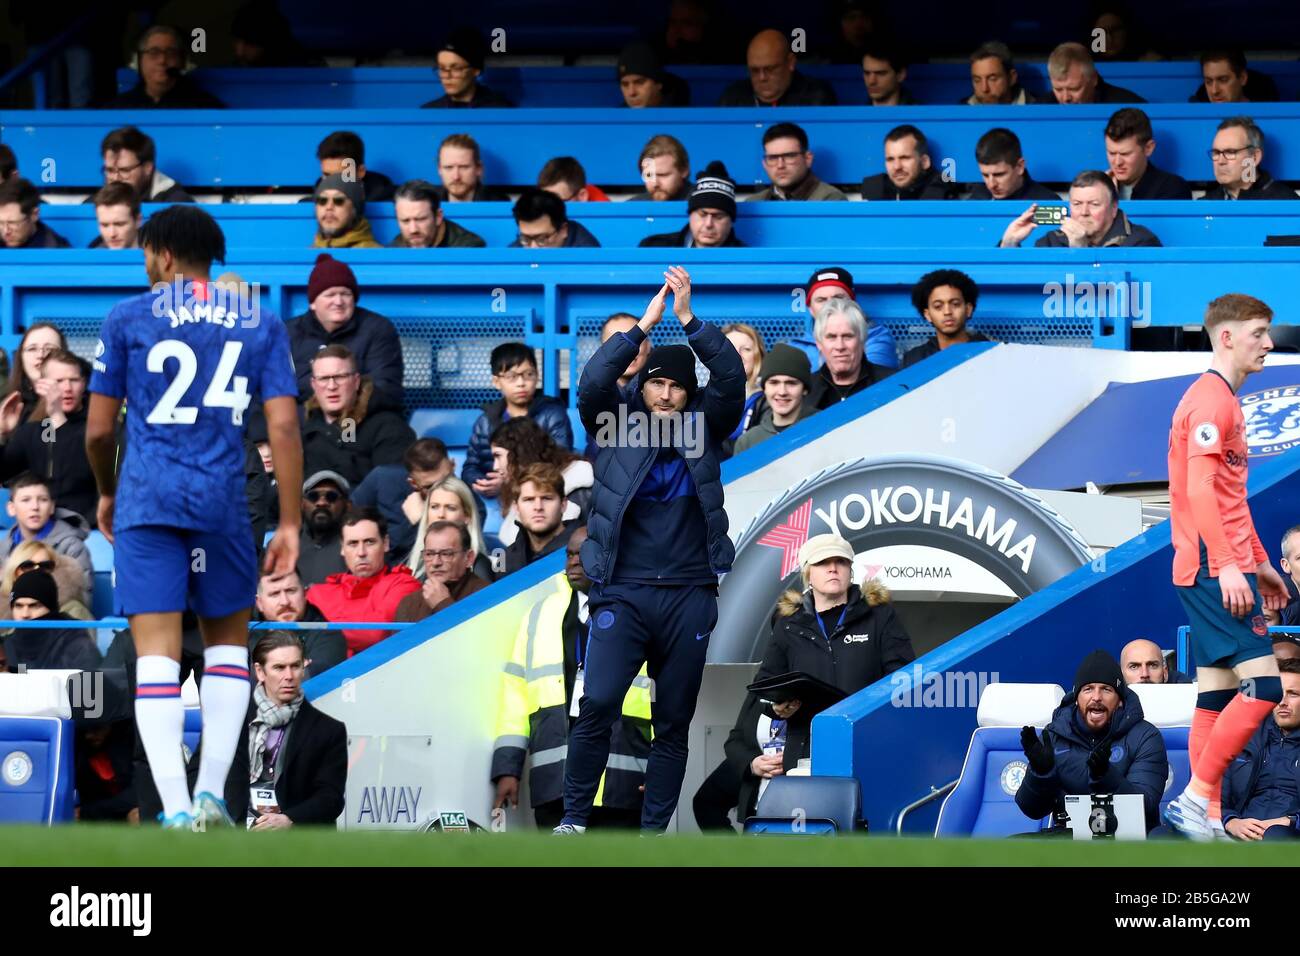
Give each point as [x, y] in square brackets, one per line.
[568, 829]
[177, 821]
[1188, 814]
[210, 811]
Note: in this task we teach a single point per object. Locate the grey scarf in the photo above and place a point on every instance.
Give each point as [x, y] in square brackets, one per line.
[269, 716]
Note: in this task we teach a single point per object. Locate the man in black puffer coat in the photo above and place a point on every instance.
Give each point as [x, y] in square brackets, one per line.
[1097, 742]
[657, 541]
[342, 430]
[334, 318]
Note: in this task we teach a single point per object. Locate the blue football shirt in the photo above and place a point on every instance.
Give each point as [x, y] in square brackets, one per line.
[188, 374]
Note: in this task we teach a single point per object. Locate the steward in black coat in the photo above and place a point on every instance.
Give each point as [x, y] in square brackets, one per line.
[866, 644]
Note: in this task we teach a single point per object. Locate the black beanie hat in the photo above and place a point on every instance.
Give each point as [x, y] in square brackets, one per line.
[676, 362]
[714, 189]
[640, 59]
[1099, 667]
[468, 44]
[786, 360]
[836, 276]
[38, 585]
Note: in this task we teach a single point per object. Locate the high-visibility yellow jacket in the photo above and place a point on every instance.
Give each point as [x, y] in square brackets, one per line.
[534, 715]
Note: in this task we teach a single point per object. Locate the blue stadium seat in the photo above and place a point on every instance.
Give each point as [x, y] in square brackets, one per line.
[101, 552]
[452, 425]
[815, 805]
[579, 432]
[1170, 708]
[211, 149]
[1180, 766]
[926, 224]
[533, 87]
[36, 780]
[193, 728]
[101, 597]
[983, 804]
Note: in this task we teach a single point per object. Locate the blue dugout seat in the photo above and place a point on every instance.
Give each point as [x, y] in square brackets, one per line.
[808, 805]
[36, 737]
[983, 802]
[36, 779]
[193, 728]
[1170, 708]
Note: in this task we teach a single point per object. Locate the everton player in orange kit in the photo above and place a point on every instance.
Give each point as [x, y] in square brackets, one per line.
[1221, 570]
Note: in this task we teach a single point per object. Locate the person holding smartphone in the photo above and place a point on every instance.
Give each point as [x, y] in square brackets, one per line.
[1094, 219]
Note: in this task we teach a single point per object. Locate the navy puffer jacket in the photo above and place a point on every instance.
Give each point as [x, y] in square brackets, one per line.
[621, 469]
[1138, 762]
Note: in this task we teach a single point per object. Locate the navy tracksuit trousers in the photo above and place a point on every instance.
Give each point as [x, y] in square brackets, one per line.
[667, 628]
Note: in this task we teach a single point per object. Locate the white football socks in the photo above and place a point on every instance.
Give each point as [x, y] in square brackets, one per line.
[223, 695]
[160, 721]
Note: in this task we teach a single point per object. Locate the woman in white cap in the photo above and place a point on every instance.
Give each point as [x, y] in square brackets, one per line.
[836, 631]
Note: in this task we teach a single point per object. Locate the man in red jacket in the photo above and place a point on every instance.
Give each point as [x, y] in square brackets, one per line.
[369, 590]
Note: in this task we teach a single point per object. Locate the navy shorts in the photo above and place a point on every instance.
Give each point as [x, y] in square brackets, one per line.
[1218, 638]
[158, 569]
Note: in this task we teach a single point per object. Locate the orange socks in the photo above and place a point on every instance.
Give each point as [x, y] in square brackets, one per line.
[1203, 721]
[1226, 738]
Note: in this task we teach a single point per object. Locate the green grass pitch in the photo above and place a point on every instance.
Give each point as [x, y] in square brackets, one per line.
[89, 845]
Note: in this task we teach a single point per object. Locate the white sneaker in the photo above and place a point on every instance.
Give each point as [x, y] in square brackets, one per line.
[569, 829]
[1189, 815]
[1216, 827]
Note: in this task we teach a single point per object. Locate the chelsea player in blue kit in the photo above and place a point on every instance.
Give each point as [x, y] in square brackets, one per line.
[187, 368]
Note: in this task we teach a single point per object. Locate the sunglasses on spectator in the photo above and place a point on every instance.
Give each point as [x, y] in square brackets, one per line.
[329, 497]
[331, 200]
[46, 566]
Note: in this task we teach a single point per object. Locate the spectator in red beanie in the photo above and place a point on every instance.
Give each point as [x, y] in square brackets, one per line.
[333, 318]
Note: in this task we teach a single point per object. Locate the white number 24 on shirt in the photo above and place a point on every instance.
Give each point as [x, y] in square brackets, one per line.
[219, 394]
